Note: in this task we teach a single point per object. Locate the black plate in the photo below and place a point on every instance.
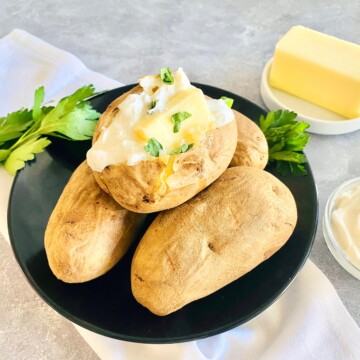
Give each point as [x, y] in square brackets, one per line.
[106, 305]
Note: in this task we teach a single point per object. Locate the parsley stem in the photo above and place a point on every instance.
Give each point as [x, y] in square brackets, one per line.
[28, 134]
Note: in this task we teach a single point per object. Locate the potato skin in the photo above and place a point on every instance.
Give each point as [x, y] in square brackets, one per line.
[147, 186]
[252, 148]
[228, 229]
[88, 232]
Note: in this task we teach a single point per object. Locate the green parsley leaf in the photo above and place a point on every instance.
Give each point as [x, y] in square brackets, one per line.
[276, 119]
[78, 123]
[181, 149]
[71, 118]
[153, 147]
[166, 76]
[297, 169]
[153, 104]
[38, 100]
[21, 132]
[178, 118]
[12, 126]
[16, 160]
[282, 167]
[286, 139]
[4, 153]
[290, 156]
[228, 101]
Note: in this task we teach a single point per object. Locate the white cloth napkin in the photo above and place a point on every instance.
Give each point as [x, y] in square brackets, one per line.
[307, 322]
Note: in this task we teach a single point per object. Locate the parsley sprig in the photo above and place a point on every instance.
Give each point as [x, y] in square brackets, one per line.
[166, 76]
[228, 101]
[178, 118]
[286, 138]
[23, 133]
[181, 149]
[153, 147]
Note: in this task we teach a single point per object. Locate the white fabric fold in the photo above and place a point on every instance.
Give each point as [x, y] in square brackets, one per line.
[307, 322]
[27, 62]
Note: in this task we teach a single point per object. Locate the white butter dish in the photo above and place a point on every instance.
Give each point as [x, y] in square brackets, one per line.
[322, 121]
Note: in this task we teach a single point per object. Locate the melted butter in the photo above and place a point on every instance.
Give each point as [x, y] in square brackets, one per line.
[169, 170]
[138, 120]
[158, 124]
[345, 223]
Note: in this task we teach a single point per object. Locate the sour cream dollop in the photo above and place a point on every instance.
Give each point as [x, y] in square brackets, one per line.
[345, 223]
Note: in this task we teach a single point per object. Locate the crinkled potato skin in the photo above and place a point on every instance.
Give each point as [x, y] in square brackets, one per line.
[142, 188]
[227, 230]
[252, 148]
[88, 232]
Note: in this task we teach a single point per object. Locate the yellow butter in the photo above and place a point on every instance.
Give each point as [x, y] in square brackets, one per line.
[158, 125]
[318, 68]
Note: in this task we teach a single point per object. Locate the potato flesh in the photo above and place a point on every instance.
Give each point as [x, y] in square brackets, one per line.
[221, 234]
[145, 188]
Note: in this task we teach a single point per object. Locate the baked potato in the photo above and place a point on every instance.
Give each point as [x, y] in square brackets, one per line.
[252, 147]
[153, 167]
[227, 230]
[88, 232]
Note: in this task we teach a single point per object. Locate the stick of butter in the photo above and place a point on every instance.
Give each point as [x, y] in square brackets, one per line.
[318, 68]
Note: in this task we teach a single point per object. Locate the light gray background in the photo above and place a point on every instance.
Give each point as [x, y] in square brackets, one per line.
[221, 43]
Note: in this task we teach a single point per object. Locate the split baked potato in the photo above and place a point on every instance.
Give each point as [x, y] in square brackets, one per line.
[195, 155]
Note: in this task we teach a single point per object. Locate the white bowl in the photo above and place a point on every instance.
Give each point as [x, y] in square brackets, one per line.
[321, 121]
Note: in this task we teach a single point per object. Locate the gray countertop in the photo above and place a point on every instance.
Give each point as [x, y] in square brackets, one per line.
[225, 44]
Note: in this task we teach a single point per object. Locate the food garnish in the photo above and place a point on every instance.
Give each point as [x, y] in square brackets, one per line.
[166, 76]
[153, 147]
[153, 104]
[22, 132]
[286, 138]
[178, 118]
[181, 149]
[228, 101]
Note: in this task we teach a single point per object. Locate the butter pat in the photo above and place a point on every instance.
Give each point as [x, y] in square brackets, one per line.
[318, 68]
[158, 125]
